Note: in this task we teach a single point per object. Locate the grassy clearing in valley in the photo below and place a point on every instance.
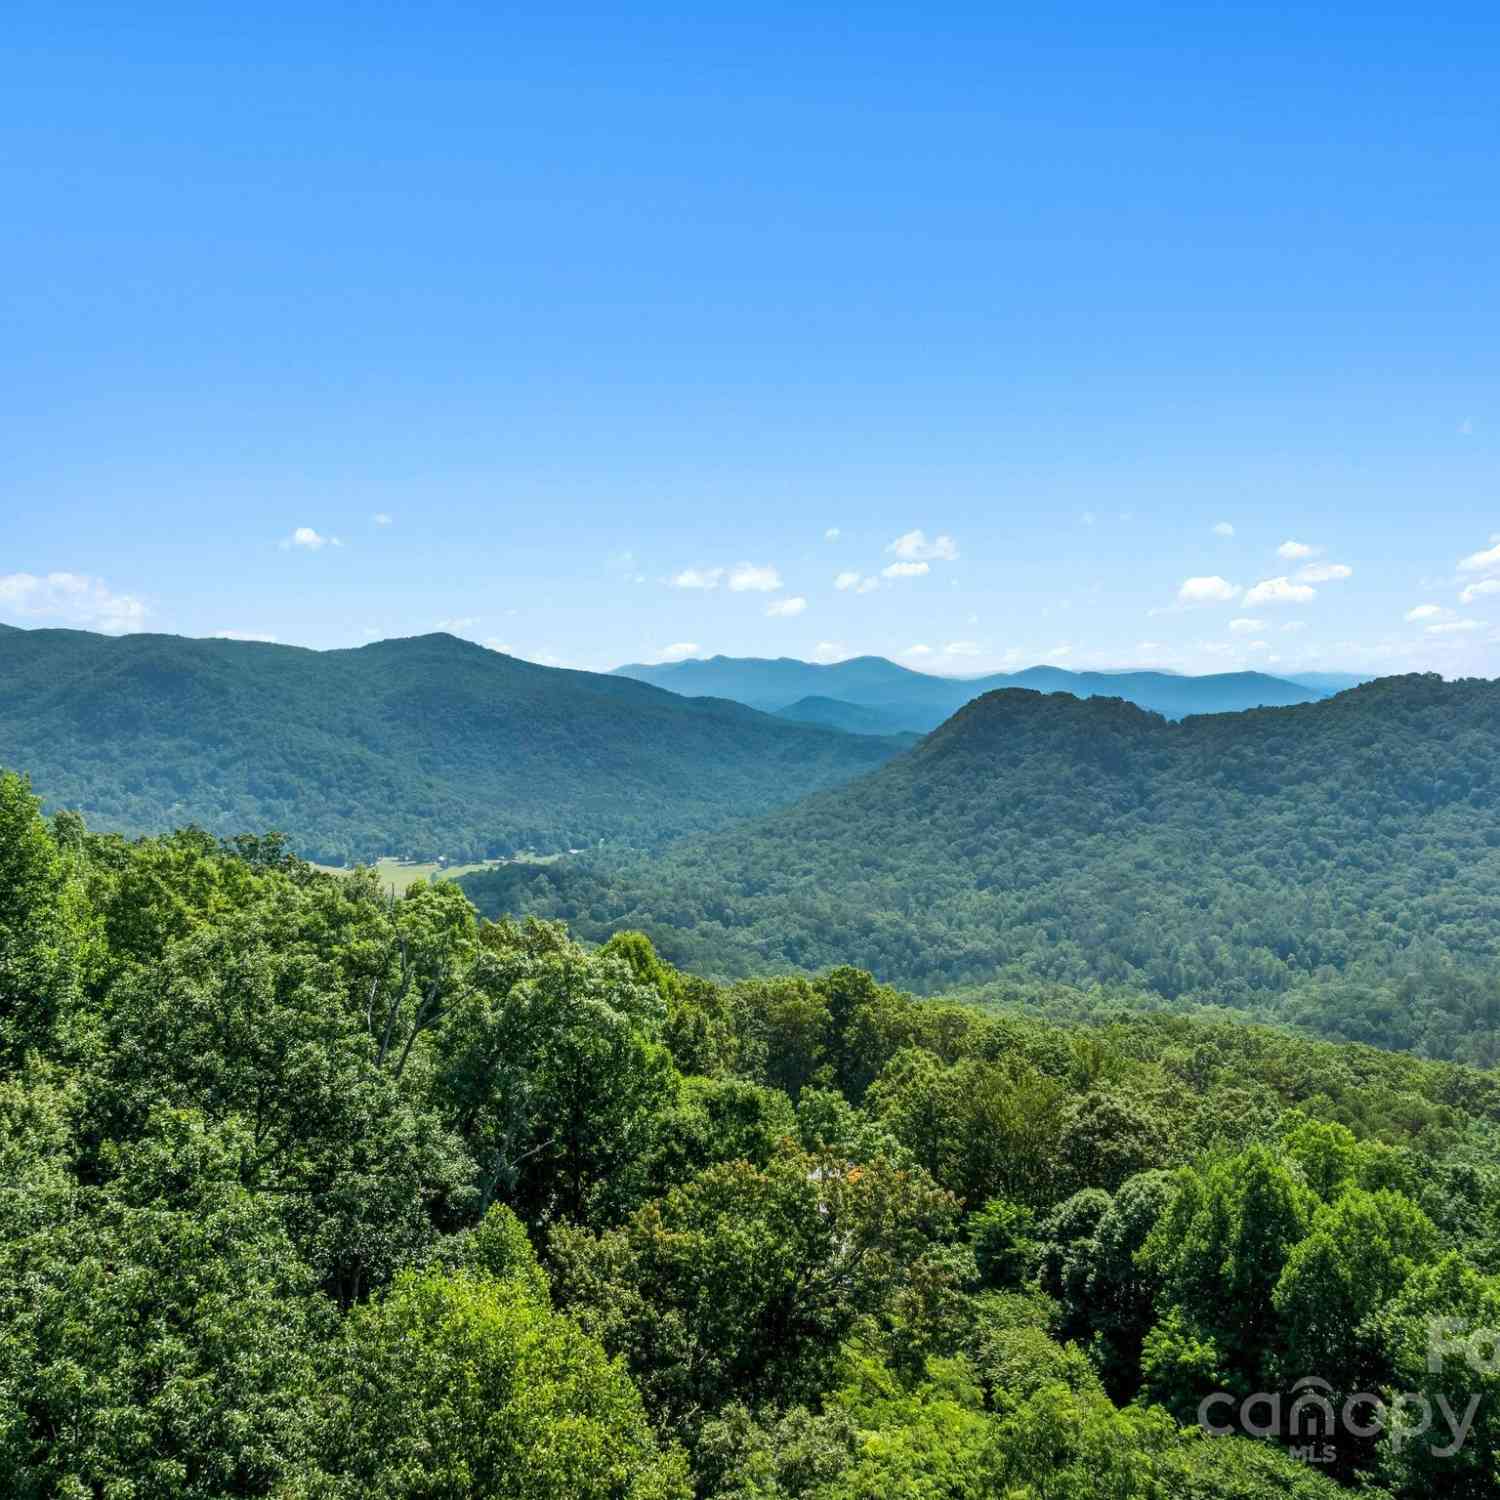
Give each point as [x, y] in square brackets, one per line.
[402, 874]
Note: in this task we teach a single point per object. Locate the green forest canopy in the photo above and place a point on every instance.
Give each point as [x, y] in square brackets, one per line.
[1335, 864]
[312, 1192]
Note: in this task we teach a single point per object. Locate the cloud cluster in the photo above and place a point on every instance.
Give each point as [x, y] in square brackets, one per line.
[1294, 588]
[1279, 591]
[1485, 561]
[742, 578]
[954, 655]
[913, 546]
[698, 578]
[75, 598]
[745, 577]
[1210, 589]
[1296, 551]
[914, 554]
[306, 539]
[786, 608]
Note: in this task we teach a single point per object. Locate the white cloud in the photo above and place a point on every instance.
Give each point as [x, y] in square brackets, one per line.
[832, 534]
[961, 648]
[75, 598]
[1424, 612]
[1058, 652]
[1296, 551]
[1482, 562]
[1293, 626]
[698, 578]
[1224, 528]
[1324, 572]
[830, 651]
[786, 608]
[917, 651]
[747, 577]
[308, 540]
[847, 580]
[458, 625]
[914, 547]
[380, 518]
[494, 643]
[678, 651]
[244, 635]
[1455, 627]
[1280, 591]
[905, 570]
[1209, 590]
[1478, 590]
[1244, 626]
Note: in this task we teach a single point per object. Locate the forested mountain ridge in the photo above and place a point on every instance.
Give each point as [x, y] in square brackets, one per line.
[855, 718]
[423, 746]
[1336, 863]
[898, 698]
[309, 1193]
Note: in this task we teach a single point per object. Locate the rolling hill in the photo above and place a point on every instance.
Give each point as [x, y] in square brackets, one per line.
[424, 746]
[853, 718]
[1351, 844]
[897, 698]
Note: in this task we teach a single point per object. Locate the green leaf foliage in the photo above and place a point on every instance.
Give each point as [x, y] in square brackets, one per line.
[312, 1193]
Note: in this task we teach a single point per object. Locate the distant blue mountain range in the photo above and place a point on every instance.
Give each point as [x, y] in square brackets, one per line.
[872, 695]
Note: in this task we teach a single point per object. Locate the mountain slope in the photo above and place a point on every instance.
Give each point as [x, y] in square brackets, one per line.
[1328, 682]
[772, 684]
[918, 701]
[430, 745]
[1225, 859]
[853, 718]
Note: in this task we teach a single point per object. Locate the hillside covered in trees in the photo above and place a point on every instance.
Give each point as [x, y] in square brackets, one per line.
[309, 1192]
[420, 747]
[1335, 864]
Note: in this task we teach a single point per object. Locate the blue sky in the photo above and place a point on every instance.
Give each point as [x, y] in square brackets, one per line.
[328, 322]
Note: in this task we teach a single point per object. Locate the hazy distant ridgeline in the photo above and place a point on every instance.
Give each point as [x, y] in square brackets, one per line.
[424, 746]
[870, 695]
[1226, 858]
